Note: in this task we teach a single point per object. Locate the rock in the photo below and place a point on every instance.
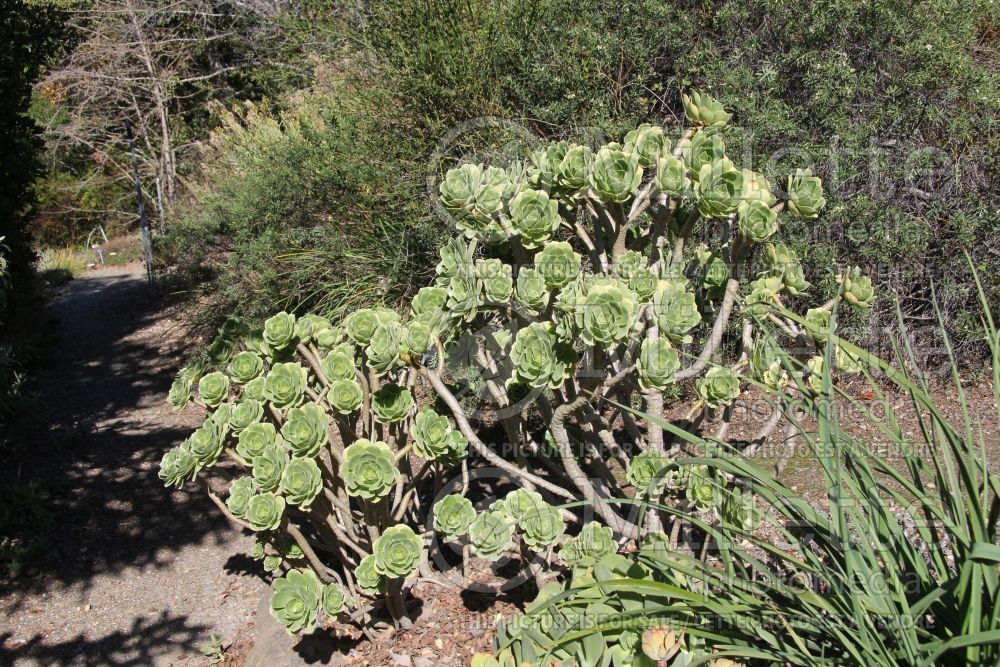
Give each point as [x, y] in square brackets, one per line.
[273, 647]
[400, 660]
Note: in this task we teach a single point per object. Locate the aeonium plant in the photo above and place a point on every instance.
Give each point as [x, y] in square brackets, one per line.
[576, 289]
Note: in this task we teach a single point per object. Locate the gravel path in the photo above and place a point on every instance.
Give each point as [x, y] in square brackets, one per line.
[134, 574]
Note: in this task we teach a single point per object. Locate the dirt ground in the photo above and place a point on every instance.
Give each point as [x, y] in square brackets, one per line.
[132, 573]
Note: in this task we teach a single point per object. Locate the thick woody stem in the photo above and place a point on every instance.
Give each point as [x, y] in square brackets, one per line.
[480, 447]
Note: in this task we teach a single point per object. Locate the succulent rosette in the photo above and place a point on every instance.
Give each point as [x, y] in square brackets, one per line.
[206, 443]
[616, 175]
[361, 326]
[220, 350]
[391, 403]
[607, 312]
[417, 337]
[279, 330]
[213, 388]
[676, 310]
[453, 515]
[296, 600]
[715, 274]
[254, 389]
[531, 291]
[645, 471]
[720, 189]
[432, 434]
[339, 363]
[368, 578]
[240, 492]
[594, 543]
[704, 148]
[246, 366]
[264, 511]
[858, 290]
[740, 509]
[268, 466]
[648, 142]
[178, 465]
[285, 385]
[818, 324]
[541, 526]
[534, 217]
[428, 300]
[383, 348]
[456, 255]
[308, 327]
[846, 362]
[301, 481]
[815, 367]
[702, 109]
[497, 279]
[573, 171]
[397, 552]
[720, 386]
[254, 439]
[345, 396]
[757, 221]
[460, 186]
[644, 282]
[332, 600]
[805, 194]
[765, 362]
[369, 469]
[305, 429]
[491, 534]
[545, 161]
[657, 364]
[180, 393]
[671, 176]
[517, 502]
[783, 263]
[246, 412]
[465, 294]
[701, 486]
[540, 358]
[558, 264]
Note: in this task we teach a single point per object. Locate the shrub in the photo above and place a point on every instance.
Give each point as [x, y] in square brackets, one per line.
[900, 569]
[553, 368]
[313, 204]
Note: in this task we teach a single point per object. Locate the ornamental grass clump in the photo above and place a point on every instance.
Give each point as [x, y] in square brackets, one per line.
[579, 284]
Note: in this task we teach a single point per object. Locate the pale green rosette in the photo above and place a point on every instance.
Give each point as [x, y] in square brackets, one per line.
[279, 330]
[644, 469]
[453, 515]
[720, 386]
[305, 429]
[432, 434]
[805, 194]
[180, 393]
[607, 313]
[702, 149]
[497, 279]
[757, 221]
[361, 325]
[301, 482]
[540, 358]
[264, 511]
[858, 290]
[246, 366]
[369, 579]
[534, 217]
[345, 396]
[213, 389]
[240, 493]
[397, 552]
[285, 385]
[491, 534]
[531, 291]
[647, 142]
[391, 403]
[333, 600]
[268, 466]
[676, 310]
[369, 469]
[573, 171]
[178, 465]
[818, 324]
[740, 509]
[339, 363]
[594, 543]
[702, 109]
[246, 412]
[207, 442]
[720, 189]
[429, 300]
[296, 600]
[658, 363]
[616, 175]
[517, 502]
[254, 439]
[671, 176]
[541, 525]
[383, 348]
[254, 389]
[702, 487]
[558, 264]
